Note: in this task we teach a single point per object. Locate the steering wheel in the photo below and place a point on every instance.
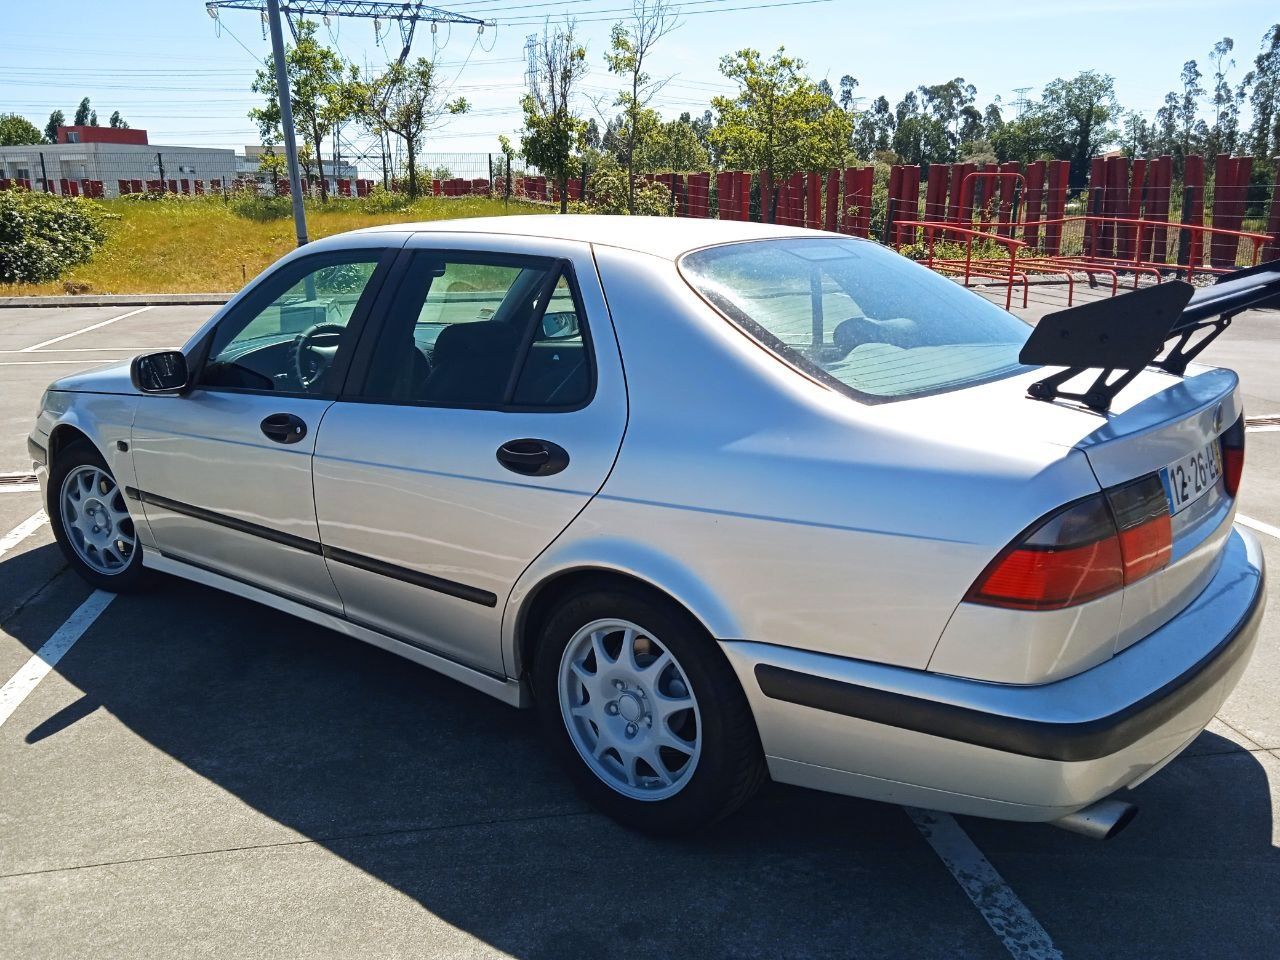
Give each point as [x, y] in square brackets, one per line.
[313, 350]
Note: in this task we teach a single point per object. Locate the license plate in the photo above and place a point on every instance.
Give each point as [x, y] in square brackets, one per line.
[1189, 478]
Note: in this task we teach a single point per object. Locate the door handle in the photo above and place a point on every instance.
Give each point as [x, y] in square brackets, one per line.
[533, 458]
[283, 428]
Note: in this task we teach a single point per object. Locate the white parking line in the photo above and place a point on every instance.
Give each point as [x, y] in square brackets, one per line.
[1258, 525]
[23, 530]
[46, 658]
[38, 363]
[76, 333]
[1008, 916]
[1263, 428]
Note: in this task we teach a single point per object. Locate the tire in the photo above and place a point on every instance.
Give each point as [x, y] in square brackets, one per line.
[91, 520]
[718, 765]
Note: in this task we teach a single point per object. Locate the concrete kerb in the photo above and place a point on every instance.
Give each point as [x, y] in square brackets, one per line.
[120, 300]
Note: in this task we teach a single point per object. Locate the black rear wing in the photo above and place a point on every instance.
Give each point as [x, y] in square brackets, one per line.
[1125, 334]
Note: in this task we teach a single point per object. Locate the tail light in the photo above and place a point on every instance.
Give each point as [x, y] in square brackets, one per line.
[1082, 551]
[1233, 456]
[1144, 526]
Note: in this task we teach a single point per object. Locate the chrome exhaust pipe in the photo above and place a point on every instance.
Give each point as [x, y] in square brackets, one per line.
[1101, 820]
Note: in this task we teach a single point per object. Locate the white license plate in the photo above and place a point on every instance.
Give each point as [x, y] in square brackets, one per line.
[1189, 478]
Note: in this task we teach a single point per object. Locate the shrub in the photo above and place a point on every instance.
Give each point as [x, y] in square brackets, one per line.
[260, 207]
[607, 190]
[42, 234]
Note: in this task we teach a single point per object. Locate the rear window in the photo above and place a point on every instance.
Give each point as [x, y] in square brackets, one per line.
[858, 317]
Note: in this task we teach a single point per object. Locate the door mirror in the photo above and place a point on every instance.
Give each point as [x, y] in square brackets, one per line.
[164, 372]
[559, 325]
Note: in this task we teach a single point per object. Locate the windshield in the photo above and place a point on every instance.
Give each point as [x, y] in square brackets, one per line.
[858, 317]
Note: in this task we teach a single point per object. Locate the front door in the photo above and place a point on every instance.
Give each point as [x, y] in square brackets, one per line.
[488, 415]
[224, 471]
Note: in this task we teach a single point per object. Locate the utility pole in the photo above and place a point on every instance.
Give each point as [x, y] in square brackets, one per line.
[286, 121]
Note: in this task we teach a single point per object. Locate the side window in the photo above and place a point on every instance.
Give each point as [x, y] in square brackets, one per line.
[287, 336]
[475, 331]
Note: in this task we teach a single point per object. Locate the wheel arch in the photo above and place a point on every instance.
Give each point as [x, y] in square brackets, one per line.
[545, 584]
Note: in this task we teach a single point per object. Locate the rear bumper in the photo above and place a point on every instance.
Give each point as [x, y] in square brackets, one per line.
[1027, 752]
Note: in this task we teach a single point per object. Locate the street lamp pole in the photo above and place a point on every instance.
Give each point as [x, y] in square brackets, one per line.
[286, 121]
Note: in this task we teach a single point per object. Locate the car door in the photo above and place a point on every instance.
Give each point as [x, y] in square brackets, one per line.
[487, 413]
[224, 470]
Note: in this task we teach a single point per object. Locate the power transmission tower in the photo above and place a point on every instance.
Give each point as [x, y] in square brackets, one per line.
[531, 64]
[406, 14]
[1022, 102]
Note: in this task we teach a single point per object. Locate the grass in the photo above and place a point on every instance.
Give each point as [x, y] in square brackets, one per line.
[202, 245]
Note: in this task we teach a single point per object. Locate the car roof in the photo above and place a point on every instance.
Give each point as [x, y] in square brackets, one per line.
[667, 237]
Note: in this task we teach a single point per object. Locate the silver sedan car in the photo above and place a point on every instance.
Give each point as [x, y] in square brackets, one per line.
[722, 501]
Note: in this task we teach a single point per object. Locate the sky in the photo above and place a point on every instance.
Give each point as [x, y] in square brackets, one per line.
[169, 67]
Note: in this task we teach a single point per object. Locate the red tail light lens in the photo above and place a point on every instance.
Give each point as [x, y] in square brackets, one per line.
[1233, 456]
[1141, 510]
[1083, 551]
[1070, 557]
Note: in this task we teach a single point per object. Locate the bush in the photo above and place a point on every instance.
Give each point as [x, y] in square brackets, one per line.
[607, 189]
[42, 234]
[260, 207]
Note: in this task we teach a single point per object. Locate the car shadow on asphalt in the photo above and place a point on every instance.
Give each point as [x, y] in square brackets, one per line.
[447, 796]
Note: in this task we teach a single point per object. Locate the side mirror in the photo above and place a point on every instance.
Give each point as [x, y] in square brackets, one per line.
[559, 325]
[164, 372]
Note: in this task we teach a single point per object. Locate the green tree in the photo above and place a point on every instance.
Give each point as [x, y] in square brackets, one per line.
[779, 122]
[322, 93]
[553, 130]
[117, 122]
[273, 166]
[83, 113]
[1264, 80]
[873, 129]
[56, 120]
[630, 44]
[1072, 120]
[16, 130]
[407, 101]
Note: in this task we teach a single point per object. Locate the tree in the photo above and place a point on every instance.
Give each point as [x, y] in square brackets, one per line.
[630, 44]
[848, 84]
[321, 93]
[117, 122]
[873, 129]
[56, 120]
[17, 131]
[1264, 79]
[553, 129]
[273, 166]
[1190, 128]
[1071, 120]
[779, 122]
[82, 114]
[674, 145]
[406, 100]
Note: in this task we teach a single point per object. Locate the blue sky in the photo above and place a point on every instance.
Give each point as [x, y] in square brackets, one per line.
[163, 64]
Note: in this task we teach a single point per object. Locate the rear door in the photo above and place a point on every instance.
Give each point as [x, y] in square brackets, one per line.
[478, 422]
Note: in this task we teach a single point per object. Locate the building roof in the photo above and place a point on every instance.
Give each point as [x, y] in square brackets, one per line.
[661, 236]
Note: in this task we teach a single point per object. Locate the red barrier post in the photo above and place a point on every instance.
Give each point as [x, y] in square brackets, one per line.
[1272, 249]
[1031, 203]
[813, 212]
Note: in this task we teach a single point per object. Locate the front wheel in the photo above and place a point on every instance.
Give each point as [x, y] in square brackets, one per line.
[91, 520]
[645, 712]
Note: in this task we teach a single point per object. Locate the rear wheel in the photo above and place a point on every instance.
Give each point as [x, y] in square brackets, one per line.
[642, 708]
[91, 520]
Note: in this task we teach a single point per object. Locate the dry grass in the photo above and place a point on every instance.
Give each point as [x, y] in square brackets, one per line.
[201, 245]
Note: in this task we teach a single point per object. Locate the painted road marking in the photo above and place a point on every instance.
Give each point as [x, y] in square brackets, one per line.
[55, 648]
[23, 530]
[1258, 525]
[1263, 428]
[37, 363]
[84, 350]
[76, 333]
[1008, 916]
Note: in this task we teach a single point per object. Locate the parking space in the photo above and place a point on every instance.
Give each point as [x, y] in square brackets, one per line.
[199, 775]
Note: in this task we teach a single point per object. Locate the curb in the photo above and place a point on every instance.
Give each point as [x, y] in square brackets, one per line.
[120, 300]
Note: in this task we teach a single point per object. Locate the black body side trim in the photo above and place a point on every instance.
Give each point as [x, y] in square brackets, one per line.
[233, 523]
[1066, 742]
[415, 577]
[38, 453]
[448, 587]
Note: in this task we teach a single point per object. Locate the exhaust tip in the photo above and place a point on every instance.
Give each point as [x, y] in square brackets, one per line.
[1099, 821]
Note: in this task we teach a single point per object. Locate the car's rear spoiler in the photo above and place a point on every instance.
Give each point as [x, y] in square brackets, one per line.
[1125, 334]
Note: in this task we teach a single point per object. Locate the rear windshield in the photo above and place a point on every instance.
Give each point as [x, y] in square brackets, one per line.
[858, 317]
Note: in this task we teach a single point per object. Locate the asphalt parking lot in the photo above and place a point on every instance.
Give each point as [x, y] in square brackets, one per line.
[201, 776]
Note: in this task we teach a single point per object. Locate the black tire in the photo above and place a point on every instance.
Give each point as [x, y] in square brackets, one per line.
[731, 766]
[130, 578]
